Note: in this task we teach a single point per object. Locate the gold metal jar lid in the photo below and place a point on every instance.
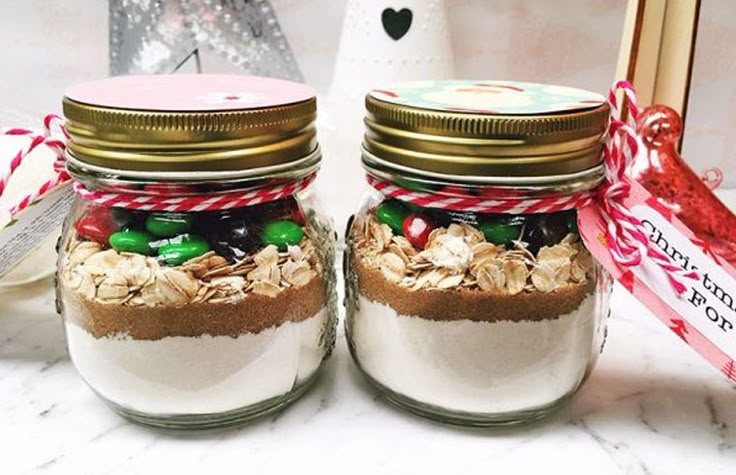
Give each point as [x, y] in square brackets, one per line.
[485, 128]
[186, 123]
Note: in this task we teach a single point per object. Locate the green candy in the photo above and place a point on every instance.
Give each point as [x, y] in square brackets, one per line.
[393, 214]
[500, 233]
[131, 241]
[282, 234]
[182, 248]
[414, 185]
[168, 224]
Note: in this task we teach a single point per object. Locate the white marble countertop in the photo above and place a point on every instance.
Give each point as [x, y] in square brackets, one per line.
[652, 406]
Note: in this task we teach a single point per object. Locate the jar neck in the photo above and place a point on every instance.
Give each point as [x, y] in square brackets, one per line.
[190, 183]
[491, 187]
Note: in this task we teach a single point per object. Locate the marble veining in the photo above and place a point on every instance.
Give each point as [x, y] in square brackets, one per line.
[652, 406]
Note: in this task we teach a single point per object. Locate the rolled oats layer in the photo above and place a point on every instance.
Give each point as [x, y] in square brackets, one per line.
[110, 293]
[459, 275]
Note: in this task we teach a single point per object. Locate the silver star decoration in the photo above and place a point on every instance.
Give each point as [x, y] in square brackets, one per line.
[159, 36]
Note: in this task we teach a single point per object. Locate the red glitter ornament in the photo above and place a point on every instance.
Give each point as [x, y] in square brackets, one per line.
[663, 172]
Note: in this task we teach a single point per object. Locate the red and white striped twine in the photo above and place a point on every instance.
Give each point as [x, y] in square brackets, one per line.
[627, 237]
[208, 202]
[459, 200]
[55, 137]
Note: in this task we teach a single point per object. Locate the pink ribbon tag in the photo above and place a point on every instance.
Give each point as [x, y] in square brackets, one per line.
[655, 256]
[704, 313]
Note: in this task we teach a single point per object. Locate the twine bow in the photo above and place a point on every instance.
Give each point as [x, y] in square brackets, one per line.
[627, 238]
[54, 137]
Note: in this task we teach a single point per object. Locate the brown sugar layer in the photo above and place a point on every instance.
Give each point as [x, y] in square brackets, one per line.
[251, 314]
[470, 304]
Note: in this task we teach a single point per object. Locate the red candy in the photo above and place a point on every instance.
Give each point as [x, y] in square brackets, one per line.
[416, 229]
[297, 215]
[97, 224]
[174, 189]
[453, 190]
[499, 193]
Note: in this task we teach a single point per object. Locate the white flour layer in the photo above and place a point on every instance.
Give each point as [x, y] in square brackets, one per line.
[199, 375]
[480, 367]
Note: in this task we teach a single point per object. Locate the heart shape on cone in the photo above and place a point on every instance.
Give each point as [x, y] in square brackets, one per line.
[396, 23]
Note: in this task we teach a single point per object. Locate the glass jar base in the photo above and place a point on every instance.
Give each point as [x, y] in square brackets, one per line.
[467, 419]
[210, 421]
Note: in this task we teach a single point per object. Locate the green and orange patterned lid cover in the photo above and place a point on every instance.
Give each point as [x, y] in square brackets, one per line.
[488, 97]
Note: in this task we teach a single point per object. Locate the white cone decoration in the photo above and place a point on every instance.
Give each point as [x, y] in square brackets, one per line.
[386, 41]
[382, 42]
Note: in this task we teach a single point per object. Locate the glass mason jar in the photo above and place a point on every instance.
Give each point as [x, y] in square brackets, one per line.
[469, 300]
[195, 275]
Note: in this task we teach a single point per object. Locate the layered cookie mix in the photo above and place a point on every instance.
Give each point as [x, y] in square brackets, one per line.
[484, 314]
[237, 314]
